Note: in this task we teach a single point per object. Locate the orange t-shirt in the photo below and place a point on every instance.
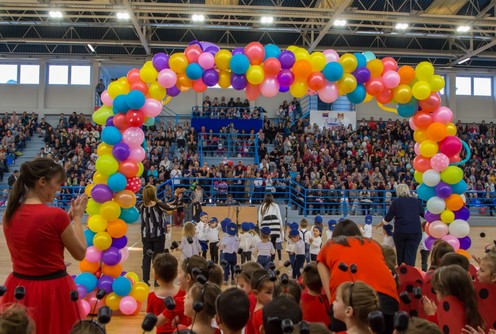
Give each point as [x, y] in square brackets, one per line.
[371, 266]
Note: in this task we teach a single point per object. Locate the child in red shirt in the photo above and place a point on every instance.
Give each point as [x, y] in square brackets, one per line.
[312, 304]
[244, 283]
[263, 289]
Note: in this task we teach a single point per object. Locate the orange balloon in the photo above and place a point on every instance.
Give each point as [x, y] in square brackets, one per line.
[407, 74]
[114, 271]
[126, 199]
[454, 202]
[436, 131]
[183, 82]
[117, 228]
[302, 69]
[89, 267]
[464, 253]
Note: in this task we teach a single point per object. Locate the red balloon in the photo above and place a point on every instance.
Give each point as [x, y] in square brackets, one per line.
[389, 64]
[199, 86]
[385, 97]
[422, 119]
[252, 91]
[133, 76]
[135, 118]
[272, 66]
[129, 168]
[316, 81]
[454, 158]
[120, 122]
[431, 103]
[140, 85]
[421, 163]
[134, 184]
[374, 86]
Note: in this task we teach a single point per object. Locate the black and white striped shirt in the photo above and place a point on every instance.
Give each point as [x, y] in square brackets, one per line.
[153, 223]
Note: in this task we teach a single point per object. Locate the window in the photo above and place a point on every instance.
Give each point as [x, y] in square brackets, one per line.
[482, 87]
[463, 86]
[8, 74]
[80, 75]
[58, 75]
[30, 74]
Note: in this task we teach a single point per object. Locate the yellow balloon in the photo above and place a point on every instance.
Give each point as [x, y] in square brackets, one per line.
[124, 81]
[301, 54]
[116, 88]
[148, 74]
[178, 63]
[97, 223]
[347, 83]
[157, 92]
[107, 165]
[110, 210]
[222, 59]
[166, 100]
[298, 89]
[451, 129]
[102, 240]
[447, 216]
[104, 149]
[424, 71]
[99, 178]
[113, 301]
[421, 90]
[418, 177]
[420, 135]
[141, 168]
[349, 62]
[376, 67]
[402, 94]
[148, 63]
[88, 188]
[224, 79]
[100, 116]
[292, 48]
[93, 207]
[255, 74]
[368, 98]
[428, 148]
[132, 276]
[437, 83]
[318, 61]
[139, 291]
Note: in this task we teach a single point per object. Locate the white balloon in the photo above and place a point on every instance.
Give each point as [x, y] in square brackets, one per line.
[459, 228]
[431, 178]
[436, 205]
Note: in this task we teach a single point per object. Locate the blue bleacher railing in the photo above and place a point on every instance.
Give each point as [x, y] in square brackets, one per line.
[228, 145]
[227, 112]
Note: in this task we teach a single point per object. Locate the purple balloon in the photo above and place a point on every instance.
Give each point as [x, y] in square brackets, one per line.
[429, 241]
[160, 61]
[210, 77]
[283, 89]
[119, 242]
[173, 91]
[443, 190]
[212, 49]
[285, 78]
[101, 193]
[465, 242]
[287, 59]
[105, 283]
[238, 81]
[82, 292]
[238, 51]
[362, 74]
[110, 121]
[111, 256]
[430, 217]
[463, 214]
[121, 151]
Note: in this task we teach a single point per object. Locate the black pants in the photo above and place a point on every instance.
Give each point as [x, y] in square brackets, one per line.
[406, 247]
[232, 260]
[151, 247]
[273, 239]
[424, 255]
[298, 265]
[245, 256]
[214, 252]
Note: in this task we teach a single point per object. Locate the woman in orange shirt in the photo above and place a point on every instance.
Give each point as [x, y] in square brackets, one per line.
[349, 247]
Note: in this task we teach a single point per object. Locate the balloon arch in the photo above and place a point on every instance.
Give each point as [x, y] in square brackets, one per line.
[135, 100]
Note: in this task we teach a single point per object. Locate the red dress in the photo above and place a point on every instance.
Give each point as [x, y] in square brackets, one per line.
[249, 325]
[257, 320]
[34, 240]
[155, 305]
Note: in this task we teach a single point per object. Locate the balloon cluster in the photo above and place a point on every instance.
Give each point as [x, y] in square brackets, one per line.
[111, 205]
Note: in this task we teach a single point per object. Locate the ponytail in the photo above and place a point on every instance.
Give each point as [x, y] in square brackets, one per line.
[16, 196]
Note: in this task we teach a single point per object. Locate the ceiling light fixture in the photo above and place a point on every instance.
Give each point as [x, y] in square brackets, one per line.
[91, 48]
[198, 17]
[123, 15]
[463, 60]
[267, 19]
[55, 14]
[401, 26]
[463, 29]
[340, 23]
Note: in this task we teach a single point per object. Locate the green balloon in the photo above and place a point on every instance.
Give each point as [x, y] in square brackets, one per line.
[452, 175]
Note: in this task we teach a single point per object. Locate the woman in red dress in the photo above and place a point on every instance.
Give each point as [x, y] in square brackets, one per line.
[36, 236]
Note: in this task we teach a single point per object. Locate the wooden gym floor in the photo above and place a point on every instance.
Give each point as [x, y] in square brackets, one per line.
[132, 324]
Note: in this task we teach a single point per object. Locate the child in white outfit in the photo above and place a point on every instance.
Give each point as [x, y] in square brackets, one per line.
[315, 242]
[367, 228]
[247, 241]
[190, 244]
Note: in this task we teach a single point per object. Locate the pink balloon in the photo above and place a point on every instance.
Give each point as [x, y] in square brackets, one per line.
[93, 254]
[137, 154]
[438, 229]
[331, 55]
[439, 162]
[106, 99]
[329, 93]
[124, 254]
[391, 79]
[443, 115]
[412, 125]
[152, 107]
[453, 241]
[133, 137]
[416, 148]
[167, 78]
[389, 64]
[128, 305]
[206, 60]
[94, 303]
[255, 53]
[252, 91]
[269, 87]
[451, 145]
[84, 308]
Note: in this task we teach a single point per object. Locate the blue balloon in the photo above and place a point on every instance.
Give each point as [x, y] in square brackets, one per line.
[333, 71]
[271, 51]
[239, 64]
[358, 95]
[150, 121]
[89, 235]
[460, 187]
[135, 99]
[425, 192]
[369, 55]
[283, 89]
[408, 109]
[117, 182]
[120, 104]
[121, 286]
[194, 71]
[130, 215]
[362, 61]
[88, 280]
[111, 135]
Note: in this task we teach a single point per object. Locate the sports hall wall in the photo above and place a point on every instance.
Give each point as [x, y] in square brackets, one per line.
[55, 99]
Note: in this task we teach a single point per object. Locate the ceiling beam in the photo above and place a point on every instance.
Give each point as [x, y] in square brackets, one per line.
[137, 26]
[474, 52]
